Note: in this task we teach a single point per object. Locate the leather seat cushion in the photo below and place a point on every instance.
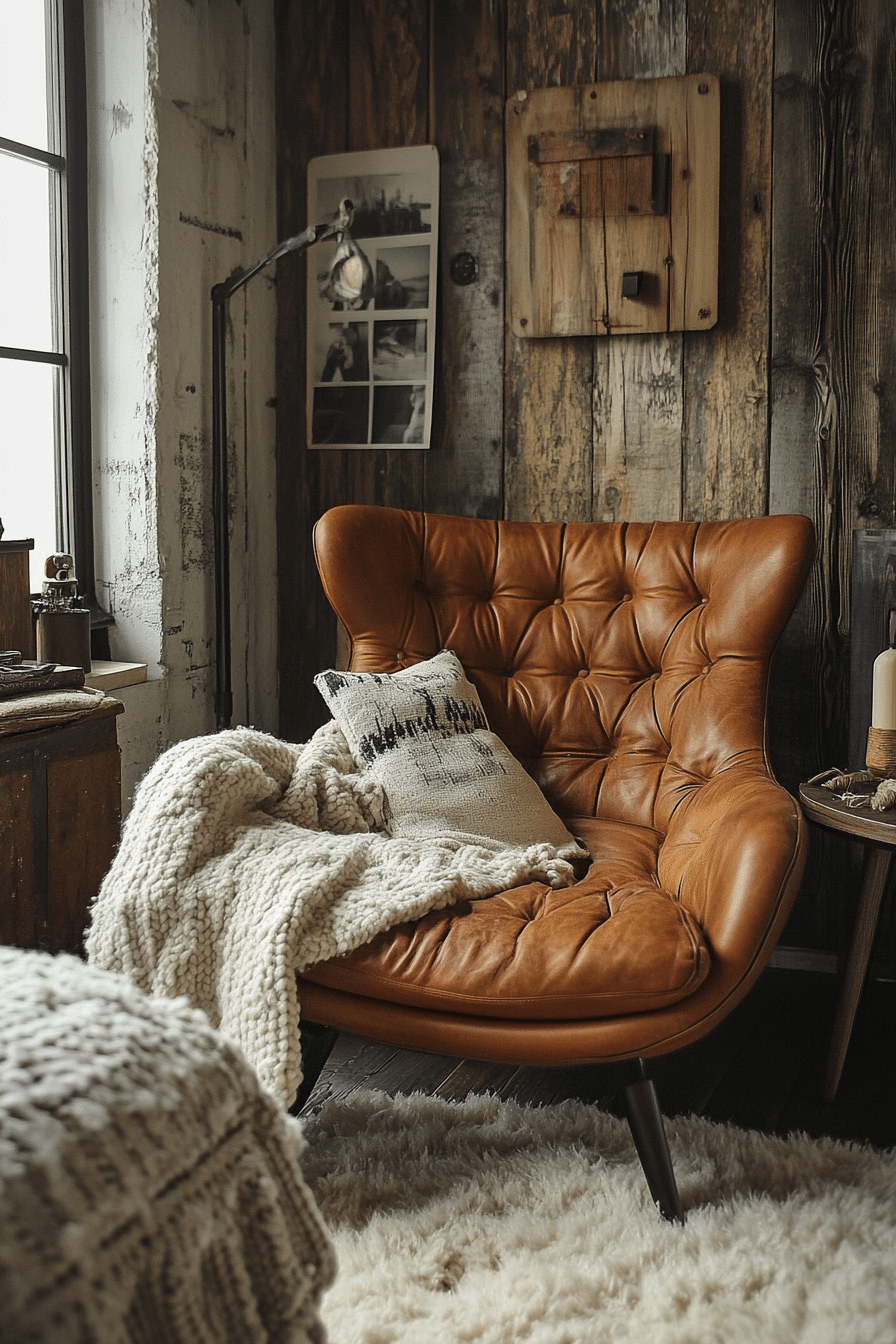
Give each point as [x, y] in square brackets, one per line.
[613, 943]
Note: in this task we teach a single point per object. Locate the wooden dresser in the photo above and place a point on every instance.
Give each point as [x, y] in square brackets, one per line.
[60, 819]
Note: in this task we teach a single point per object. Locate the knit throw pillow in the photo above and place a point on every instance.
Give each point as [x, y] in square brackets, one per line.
[422, 732]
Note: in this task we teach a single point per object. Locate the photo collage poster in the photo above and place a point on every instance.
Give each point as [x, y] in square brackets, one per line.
[372, 298]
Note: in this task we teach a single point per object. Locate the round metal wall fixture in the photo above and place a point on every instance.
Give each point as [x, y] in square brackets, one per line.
[464, 268]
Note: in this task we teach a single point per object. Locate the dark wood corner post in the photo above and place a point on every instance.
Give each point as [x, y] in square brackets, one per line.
[221, 507]
[317, 1043]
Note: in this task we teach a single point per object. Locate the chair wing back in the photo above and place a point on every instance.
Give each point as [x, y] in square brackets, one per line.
[625, 664]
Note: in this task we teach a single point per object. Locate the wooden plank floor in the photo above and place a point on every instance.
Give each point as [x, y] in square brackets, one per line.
[761, 1069]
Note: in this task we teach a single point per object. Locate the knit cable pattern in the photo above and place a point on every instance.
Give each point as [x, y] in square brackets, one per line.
[150, 1190]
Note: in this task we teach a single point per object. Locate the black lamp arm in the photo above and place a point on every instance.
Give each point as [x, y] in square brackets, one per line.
[313, 234]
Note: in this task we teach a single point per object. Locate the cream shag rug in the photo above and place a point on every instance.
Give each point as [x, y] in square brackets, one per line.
[485, 1221]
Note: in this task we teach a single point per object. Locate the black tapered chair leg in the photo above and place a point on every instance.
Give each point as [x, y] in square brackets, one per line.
[317, 1043]
[649, 1133]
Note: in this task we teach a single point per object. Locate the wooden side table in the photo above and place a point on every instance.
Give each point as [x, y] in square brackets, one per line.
[877, 832]
[60, 805]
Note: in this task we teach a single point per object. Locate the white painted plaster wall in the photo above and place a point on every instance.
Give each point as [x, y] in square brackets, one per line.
[182, 190]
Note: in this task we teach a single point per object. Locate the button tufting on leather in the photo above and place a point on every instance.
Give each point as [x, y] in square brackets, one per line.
[624, 802]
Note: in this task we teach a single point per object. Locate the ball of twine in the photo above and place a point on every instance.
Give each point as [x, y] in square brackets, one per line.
[880, 755]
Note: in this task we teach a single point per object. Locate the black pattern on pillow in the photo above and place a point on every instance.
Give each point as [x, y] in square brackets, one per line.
[423, 733]
[396, 719]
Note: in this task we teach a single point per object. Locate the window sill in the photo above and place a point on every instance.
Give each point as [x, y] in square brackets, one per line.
[106, 676]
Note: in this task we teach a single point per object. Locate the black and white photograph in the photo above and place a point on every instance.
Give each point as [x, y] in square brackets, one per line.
[399, 414]
[340, 415]
[385, 205]
[399, 351]
[345, 277]
[342, 352]
[371, 297]
[402, 278]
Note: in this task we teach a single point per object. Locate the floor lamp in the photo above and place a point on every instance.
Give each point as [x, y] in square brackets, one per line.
[221, 295]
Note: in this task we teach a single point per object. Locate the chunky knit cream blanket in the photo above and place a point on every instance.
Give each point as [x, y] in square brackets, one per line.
[150, 1190]
[246, 859]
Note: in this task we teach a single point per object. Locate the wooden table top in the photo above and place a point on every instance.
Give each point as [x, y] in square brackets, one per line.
[823, 806]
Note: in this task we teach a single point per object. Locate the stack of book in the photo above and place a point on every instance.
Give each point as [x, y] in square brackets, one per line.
[24, 676]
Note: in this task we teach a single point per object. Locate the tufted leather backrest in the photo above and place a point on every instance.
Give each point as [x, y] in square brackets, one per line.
[625, 664]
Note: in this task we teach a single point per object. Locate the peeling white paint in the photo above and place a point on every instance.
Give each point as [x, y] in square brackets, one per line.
[176, 95]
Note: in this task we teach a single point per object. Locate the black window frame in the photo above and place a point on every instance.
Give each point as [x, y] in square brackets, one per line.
[67, 157]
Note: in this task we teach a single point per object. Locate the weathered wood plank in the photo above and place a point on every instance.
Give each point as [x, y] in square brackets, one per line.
[19, 925]
[357, 1064]
[80, 786]
[548, 452]
[641, 39]
[800, 428]
[463, 470]
[468, 79]
[638, 404]
[637, 427]
[389, 68]
[472, 1078]
[16, 625]
[312, 72]
[834, 82]
[873, 347]
[388, 106]
[597, 1084]
[809, 654]
[827, 328]
[726, 372]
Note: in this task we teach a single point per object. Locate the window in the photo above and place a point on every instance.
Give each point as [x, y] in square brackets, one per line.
[45, 471]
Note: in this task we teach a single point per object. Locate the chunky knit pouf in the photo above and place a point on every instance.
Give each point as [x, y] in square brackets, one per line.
[150, 1191]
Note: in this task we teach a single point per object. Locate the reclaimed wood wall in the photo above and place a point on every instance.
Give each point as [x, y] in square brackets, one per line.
[788, 404]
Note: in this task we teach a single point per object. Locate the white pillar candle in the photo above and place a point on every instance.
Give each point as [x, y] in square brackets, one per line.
[883, 690]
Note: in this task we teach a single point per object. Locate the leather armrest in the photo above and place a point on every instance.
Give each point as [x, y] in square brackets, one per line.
[734, 857]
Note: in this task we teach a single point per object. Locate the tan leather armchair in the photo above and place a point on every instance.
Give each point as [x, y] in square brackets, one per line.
[626, 666]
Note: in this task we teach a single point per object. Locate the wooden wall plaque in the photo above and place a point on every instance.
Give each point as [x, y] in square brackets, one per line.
[613, 207]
